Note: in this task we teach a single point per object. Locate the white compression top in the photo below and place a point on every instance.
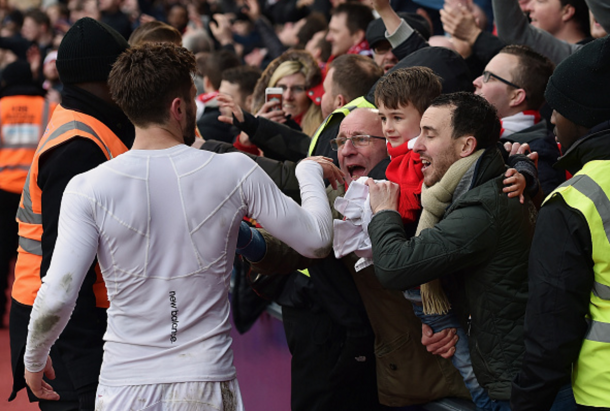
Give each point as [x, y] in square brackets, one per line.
[164, 224]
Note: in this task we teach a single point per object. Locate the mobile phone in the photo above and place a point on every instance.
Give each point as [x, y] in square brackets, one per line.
[274, 93]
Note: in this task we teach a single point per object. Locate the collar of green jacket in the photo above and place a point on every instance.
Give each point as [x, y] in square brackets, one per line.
[490, 165]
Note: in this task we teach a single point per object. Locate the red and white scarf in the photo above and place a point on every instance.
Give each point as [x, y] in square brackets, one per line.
[518, 122]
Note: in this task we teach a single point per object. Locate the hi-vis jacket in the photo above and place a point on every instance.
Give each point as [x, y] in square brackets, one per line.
[64, 125]
[588, 191]
[23, 120]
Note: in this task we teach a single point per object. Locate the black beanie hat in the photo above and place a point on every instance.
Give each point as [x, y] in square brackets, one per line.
[88, 51]
[580, 86]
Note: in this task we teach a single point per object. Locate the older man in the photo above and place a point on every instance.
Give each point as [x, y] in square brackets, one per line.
[471, 236]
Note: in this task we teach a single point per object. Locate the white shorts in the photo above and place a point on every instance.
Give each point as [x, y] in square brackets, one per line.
[183, 396]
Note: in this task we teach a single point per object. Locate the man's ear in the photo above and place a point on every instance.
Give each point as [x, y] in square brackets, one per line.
[567, 13]
[176, 109]
[358, 36]
[467, 146]
[518, 97]
[340, 101]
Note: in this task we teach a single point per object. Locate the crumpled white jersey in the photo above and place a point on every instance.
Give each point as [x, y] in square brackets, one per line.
[351, 234]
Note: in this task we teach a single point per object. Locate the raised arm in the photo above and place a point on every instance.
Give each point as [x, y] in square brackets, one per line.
[514, 28]
[463, 239]
[307, 229]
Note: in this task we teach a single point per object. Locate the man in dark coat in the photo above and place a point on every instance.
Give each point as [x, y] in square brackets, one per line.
[568, 276]
[471, 236]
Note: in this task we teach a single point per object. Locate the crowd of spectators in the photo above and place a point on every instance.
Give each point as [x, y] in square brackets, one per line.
[354, 338]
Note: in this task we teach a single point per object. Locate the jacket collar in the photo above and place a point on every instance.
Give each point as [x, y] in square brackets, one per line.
[593, 146]
[77, 99]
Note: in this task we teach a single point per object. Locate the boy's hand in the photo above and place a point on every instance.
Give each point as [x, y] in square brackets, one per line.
[517, 148]
[514, 184]
[384, 195]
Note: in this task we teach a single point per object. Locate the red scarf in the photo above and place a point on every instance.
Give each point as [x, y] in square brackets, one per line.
[405, 170]
[362, 48]
[207, 97]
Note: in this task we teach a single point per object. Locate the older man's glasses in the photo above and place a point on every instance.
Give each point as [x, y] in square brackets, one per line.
[361, 140]
[488, 74]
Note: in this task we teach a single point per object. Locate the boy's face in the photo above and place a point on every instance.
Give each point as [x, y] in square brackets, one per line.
[401, 124]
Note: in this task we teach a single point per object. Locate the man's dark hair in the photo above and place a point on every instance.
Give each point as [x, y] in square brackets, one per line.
[471, 115]
[358, 16]
[581, 15]
[145, 79]
[215, 63]
[532, 73]
[244, 76]
[39, 16]
[314, 23]
[412, 85]
[354, 75]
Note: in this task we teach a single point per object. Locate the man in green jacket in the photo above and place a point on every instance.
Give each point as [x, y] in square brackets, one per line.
[471, 236]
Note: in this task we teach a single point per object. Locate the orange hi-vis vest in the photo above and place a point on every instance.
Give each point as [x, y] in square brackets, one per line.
[23, 120]
[63, 126]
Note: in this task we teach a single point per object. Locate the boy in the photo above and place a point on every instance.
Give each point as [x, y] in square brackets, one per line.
[402, 97]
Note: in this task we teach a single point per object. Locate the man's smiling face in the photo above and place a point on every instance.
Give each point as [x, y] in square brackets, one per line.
[436, 147]
[359, 161]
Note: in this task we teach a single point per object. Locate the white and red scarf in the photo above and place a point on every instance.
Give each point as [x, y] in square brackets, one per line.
[519, 122]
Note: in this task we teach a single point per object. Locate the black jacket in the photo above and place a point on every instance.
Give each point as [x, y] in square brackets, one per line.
[280, 142]
[80, 344]
[213, 129]
[445, 63]
[281, 172]
[560, 282]
[479, 248]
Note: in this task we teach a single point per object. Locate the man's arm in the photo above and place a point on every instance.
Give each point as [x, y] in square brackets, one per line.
[514, 28]
[281, 172]
[57, 168]
[74, 252]
[464, 239]
[308, 229]
[560, 283]
[279, 141]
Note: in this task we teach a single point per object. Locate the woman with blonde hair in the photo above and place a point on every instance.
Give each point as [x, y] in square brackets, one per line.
[296, 72]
